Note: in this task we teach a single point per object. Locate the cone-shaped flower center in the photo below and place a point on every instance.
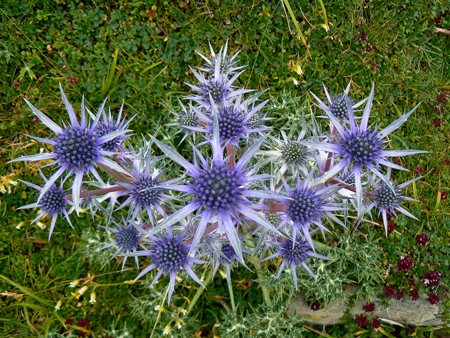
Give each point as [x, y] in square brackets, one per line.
[338, 107]
[230, 123]
[305, 206]
[386, 198]
[273, 218]
[361, 148]
[169, 254]
[104, 129]
[146, 198]
[77, 148]
[218, 188]
[295, 254]
[189, 119]
[216, 90]
[294, 152]
[53, 200]
[229, 253]
[127, 238]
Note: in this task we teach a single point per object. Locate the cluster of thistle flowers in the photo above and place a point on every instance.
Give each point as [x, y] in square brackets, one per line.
[228, 207]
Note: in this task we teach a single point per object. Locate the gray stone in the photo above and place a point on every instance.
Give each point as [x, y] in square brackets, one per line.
[406, 312]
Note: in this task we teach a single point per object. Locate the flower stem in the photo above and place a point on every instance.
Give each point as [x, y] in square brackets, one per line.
[98, 191]
[230, 289]
[260, 272]
[200, 290]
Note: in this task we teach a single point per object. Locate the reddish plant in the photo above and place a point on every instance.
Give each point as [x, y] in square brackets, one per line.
[363, 36]
[361, 321]
[404, 264]
[419, 170]
[432, 278]
[376, 323]
[398, 294]
[433, 298]
[422, 239]
[441, 98]
[369, 307]
[389, 291]
[414, 294]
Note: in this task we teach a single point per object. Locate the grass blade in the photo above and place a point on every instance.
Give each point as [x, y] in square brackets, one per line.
[27, 292]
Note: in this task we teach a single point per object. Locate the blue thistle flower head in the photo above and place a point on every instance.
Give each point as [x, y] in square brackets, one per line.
[127, 238]
[216, 89]
[188, 120]
[76, 148]
[168, 254]
[337, 105]
[235, 121]
[361, 146]
[109, 126]
[220, 190]
[294, 254]
[145, 189]
[389, 197]
[52, 203]
[225, 63]
[308, 204]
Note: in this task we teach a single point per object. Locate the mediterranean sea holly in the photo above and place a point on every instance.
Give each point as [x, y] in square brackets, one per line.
[219, 207]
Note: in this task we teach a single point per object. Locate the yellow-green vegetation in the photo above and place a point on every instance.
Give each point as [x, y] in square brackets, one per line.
[139, 51]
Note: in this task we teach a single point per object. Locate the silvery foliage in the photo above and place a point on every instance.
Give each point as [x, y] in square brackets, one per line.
[225, 202]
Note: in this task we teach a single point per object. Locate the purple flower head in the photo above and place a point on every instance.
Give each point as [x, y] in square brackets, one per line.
[127, 238]
[398, 294]
[361, 146]
[404, 264]
[432, 278]
[389, 291]
[145, 190]
[218, 190]
[369, 307]
[226, 63]
[414, 294]
[388, 197]
[338, 105]
[52, 203]
[224, 253]
[188, 121]
[168, 254]
[308, 204]
[294, 253]
[108, 126]
[76, 148]
[433, 298]
[361, 321]
[234, 120]
[217, 88]
[376, 323]
[422, 239]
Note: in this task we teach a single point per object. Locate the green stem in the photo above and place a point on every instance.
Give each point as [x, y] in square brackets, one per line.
[200, 290]
[260, 272]
[230, 290]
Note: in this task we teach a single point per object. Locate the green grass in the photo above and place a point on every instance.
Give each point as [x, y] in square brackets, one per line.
[131, 51]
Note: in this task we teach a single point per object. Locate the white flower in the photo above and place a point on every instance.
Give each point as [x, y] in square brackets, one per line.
[93, 299]
[58, 305]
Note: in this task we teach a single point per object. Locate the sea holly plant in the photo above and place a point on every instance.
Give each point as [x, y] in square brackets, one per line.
[247, 194]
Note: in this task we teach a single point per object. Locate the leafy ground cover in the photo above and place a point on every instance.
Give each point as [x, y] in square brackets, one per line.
[139, 52]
